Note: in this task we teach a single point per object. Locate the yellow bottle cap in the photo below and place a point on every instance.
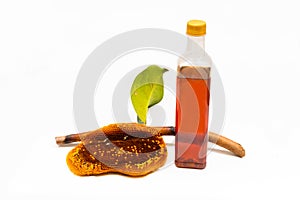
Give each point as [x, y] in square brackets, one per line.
[196, 28]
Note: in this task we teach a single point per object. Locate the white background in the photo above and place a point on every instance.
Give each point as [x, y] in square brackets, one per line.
[255, 45]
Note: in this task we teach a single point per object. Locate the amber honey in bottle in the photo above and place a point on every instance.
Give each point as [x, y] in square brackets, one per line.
[192, 103]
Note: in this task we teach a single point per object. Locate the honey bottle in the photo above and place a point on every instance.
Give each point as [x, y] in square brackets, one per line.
[192, 103]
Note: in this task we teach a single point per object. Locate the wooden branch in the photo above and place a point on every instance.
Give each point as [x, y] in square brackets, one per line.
[219, 140]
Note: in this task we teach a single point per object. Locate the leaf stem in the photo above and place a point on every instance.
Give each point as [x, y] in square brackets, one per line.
[139, 120]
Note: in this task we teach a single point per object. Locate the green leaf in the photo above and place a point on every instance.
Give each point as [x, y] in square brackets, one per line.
[147, 90]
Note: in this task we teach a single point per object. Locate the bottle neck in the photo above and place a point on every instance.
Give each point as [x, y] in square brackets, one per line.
[193, 42]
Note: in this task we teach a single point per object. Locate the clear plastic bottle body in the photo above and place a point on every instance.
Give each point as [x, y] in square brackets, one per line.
[192, 105]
